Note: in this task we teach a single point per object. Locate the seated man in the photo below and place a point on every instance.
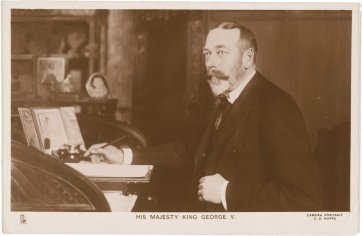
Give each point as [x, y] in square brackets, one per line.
[254, 154]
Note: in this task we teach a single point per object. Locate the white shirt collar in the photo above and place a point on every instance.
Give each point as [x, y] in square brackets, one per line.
[233, 95]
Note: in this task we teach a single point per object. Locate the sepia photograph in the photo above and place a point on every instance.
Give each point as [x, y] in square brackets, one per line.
[50, 74]
[51, 129]
[181, 118]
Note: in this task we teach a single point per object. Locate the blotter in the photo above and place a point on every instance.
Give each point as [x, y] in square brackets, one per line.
[114, 172]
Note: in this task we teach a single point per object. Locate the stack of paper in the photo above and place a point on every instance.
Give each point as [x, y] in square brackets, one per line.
[112, 170]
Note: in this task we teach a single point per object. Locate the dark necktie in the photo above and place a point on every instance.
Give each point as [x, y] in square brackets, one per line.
[222, 109]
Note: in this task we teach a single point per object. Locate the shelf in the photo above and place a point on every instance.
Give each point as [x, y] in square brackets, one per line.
[53, 12]
[78, 35]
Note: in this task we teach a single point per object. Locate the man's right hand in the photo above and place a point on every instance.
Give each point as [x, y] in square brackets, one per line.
[109, 154]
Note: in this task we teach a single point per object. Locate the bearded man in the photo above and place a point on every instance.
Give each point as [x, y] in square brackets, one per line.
[254, 154]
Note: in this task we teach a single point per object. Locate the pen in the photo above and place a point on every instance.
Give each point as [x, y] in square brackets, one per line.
[113, 142]
[105, 145]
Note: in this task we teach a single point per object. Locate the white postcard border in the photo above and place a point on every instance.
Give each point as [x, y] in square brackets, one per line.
[244, 223]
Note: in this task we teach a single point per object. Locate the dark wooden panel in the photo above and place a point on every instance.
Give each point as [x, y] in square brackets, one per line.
[308, 54]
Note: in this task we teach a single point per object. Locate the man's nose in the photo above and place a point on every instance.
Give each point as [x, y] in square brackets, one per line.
[211, 61]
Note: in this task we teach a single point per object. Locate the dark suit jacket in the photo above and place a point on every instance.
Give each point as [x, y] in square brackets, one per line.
[263, 150]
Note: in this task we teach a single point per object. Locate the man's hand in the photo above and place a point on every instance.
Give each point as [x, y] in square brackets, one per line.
[210, 188]
[109, 154]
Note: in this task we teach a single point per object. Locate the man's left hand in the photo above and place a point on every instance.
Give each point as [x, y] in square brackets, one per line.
[210, 188]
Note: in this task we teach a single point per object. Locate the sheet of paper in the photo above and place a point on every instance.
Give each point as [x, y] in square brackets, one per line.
[119, 202]
[111, 170]
[71, 126]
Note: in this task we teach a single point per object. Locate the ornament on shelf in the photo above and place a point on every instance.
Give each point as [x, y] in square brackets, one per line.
[76, 38]
[96, 86]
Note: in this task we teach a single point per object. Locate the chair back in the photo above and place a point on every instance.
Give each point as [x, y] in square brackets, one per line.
[42, 183]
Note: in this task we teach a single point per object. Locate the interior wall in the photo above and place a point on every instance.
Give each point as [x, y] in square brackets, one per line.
[306, 53]
[121, 60]
[159, 103]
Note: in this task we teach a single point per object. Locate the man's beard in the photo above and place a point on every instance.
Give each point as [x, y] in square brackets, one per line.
[220, 83]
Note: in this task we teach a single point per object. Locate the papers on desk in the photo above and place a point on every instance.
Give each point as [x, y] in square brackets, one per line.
[120, 203]
[114, 172]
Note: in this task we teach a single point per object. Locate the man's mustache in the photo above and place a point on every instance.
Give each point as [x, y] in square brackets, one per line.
[214, 72]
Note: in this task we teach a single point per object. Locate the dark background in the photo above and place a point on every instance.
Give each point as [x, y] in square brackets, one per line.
[306, 53]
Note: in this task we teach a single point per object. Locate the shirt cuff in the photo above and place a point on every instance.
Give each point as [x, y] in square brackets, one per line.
[127, 156]
[223, 195]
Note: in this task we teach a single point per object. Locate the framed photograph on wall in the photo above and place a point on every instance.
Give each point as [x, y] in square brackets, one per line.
[50, 74]
[22, 75]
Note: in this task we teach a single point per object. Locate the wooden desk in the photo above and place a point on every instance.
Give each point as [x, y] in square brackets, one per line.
[122, 185]
[137, 198]
[42, 183]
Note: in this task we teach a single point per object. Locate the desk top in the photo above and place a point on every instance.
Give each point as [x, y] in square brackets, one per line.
[105, 170]
[113, 180]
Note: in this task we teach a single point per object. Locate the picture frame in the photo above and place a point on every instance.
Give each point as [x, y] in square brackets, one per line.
[50, 74]
[23, 76]
[29, 127]
[51, 130]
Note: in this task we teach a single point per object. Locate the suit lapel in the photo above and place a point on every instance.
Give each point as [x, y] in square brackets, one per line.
[239, 111]
[237, 116]
[204, 141]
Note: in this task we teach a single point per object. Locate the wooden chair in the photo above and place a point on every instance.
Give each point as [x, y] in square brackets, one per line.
[94, 130]
[332, 153]
[43, 183]
[97, 130]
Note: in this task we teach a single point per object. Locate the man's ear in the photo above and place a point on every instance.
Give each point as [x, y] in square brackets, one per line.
[249, 57]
